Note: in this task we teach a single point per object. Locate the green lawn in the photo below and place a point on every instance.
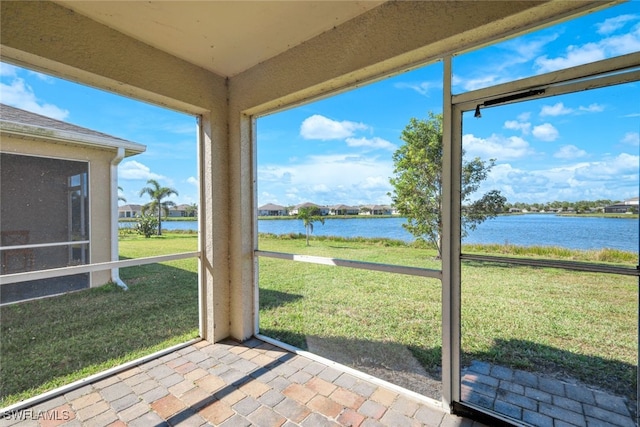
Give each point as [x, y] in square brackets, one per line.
[580, 324]
[51, 342]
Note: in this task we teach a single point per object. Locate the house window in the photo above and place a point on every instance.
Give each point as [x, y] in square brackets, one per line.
[44, 222]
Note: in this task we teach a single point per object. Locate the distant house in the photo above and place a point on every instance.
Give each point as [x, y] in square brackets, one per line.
[271, 209]
[180, 211]
[629, 205]
[343, 210]
[58, 201]
[129, 211]
[184, 211]
[375, 210]
[324, 210]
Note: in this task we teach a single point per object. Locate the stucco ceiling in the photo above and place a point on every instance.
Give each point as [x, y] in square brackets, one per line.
[226, 37]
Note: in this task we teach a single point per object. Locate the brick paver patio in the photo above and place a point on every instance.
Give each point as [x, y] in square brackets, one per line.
[257, 384]
[541, 401]
[231, 384]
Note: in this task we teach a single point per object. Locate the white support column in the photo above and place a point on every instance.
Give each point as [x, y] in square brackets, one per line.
[451, 159]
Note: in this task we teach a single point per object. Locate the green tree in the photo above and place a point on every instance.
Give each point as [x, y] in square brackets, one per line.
[192, 210]
[157, 205]
[418, 183]
[308, 216]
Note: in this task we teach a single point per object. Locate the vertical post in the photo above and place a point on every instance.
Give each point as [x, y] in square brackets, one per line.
[451, 175]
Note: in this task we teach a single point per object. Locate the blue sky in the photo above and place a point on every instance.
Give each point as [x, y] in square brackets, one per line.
[339, 149]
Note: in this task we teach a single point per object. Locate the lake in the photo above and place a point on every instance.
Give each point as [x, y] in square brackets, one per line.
[572, 232]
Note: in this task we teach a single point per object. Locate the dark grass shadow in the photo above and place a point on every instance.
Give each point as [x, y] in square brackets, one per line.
[419, 369]
[93, 329]
[271, 299]
[390, 361]
[613, 376]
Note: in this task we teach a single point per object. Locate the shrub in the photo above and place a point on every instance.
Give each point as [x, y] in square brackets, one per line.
[147, 225]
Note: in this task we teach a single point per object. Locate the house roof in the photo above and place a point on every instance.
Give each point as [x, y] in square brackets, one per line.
[130, 207]
[271, 207]
[20, 122]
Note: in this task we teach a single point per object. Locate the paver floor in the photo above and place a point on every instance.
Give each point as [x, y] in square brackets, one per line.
[231, 384]
[541, 401]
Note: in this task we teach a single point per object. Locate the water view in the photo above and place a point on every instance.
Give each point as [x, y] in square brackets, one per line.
[525, 230]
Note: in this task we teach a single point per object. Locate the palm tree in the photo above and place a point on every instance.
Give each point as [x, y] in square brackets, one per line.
[157, 193]
[308, 216]
[121, 198]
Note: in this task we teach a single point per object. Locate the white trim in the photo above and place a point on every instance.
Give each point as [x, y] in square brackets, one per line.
[89, 268]
[336, 262]
[69, 137]
[93, 378]
[621, 69]
[45, 245]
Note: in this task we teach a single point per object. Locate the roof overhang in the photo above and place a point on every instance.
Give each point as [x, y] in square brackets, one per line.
[293, 51]
[22, 130]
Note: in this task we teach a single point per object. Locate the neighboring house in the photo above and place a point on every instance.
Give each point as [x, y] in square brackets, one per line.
[184, 211]
[179, 211]
[324, 210]
[58, 201]
[271, 209]
[129, 211]
[629, 205]
[344, 210]
[375, 210]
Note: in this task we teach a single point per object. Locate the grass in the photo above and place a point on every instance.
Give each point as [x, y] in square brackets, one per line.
[581, 325]
[571, 324]
[51, 342]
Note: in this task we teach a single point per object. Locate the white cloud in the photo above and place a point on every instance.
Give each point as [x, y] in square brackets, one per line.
[560, 109]
[619, 168]
[494, 68]
[496, 147]
[575, 55]
[523, 117]
[423, 88]
[8, 70]
[43, 77]
[20, 95]
[375, 143]
[592, 108]
[546, 132]
[136, 170]
[591, 52]
[478, 82]
[608, 178]
[320, 127]
[631, 138]
[193, 181]
[569, 152]
[611, 25]
[555, 110]
[525, 49]
[524, 127]
[328, 179]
